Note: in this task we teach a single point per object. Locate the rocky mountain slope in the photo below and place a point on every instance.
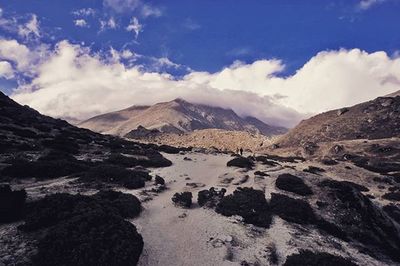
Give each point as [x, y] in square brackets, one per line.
[177, 116]
[376, 119]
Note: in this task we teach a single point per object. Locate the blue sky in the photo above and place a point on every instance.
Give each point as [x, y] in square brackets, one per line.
[208, 35]
[199, 36]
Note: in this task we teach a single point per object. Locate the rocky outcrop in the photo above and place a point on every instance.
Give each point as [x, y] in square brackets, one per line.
[376, 119]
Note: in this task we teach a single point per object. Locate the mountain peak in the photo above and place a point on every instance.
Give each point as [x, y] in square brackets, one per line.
[177, 116]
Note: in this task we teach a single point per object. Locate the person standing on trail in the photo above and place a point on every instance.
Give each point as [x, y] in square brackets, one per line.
[241, 151]
[237, 150]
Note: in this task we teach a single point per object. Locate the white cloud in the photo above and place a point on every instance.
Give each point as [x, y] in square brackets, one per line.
[73, 82]
[135, 26]
[30, 28]
[108, 24]
[81, 23]
[19, 54]
[366, 4]
[121, 6]
[150, 11]
[84, 12]
[6, 70]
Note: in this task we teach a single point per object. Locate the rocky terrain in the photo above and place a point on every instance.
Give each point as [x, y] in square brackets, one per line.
[376, 119]
[73, 197]
[216, 139]
[177, 116]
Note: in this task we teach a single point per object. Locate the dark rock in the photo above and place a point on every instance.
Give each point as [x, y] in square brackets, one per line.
[265, 160]
[112, 174]
[44, 169]
[93, 238]
[313, 170]
[183, 199]
[292, 210]
[328, 161]
[248, 203]
[342, 111]
[309, 258]
[187, 159]
[356, 186]
[210, 198]
[259, 173]
[169, 149]
[159, 180]
[360, 219]
[241, 162]
[12, 204]
[293, 184]
[56, 208]
[393, 196]
[393, 211]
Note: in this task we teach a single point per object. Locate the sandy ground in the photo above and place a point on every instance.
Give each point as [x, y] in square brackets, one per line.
[199, 236]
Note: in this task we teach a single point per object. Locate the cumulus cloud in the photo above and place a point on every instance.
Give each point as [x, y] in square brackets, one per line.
[135, 26]
[31, 28]
[81, 23]
[73, 82]
[15, 52]
[6, 70]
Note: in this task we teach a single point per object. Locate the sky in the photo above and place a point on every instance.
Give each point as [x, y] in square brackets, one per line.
[281, 61]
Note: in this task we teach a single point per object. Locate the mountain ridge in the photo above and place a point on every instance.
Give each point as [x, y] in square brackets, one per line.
[177, 116]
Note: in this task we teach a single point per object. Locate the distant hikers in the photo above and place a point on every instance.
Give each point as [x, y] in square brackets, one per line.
[237, 150]
[241, 151]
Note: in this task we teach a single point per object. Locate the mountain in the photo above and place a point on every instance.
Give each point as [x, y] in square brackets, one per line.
[177, 116]
[376, 119]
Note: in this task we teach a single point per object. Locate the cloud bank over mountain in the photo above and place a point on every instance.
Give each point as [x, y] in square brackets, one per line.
[73, 82]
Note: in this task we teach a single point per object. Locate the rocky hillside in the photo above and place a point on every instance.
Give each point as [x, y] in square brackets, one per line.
[223, 140]
[177, 116]
[376, 119]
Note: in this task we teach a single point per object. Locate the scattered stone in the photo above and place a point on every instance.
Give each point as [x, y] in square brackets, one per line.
[187, 159]
[183, 199]
[293, 184]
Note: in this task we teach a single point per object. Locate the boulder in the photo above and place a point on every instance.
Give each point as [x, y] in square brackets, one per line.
[292, 210]
[293, 184]
[210, 198]
[183, 199]
[241, 162]
[249, 204]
